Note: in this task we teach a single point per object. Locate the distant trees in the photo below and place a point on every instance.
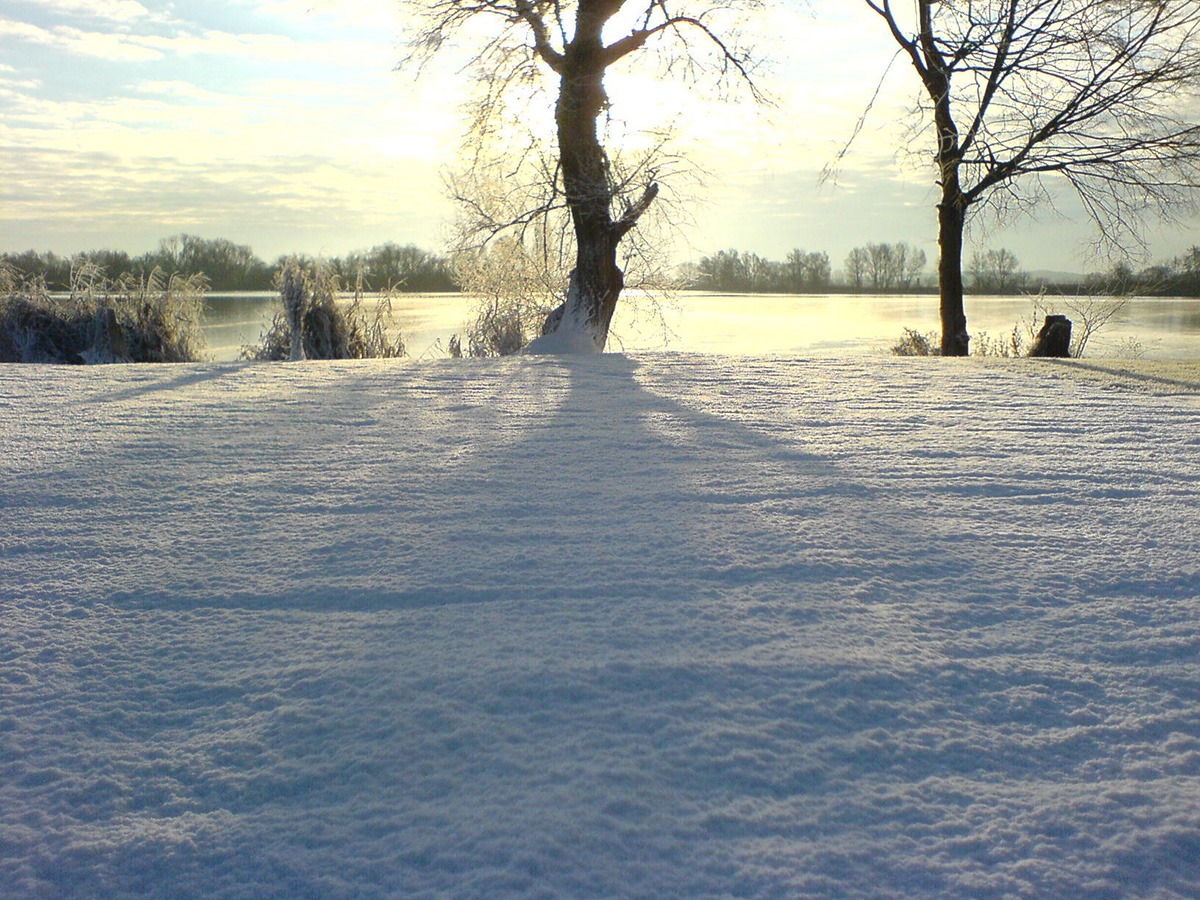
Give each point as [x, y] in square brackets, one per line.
[884, 267]
[806, 271]
[52, 269]
[996, 272]
[898, 267]
[226, 266]
[855, 269]
[1021, 90]
[734, 272]
[1185, 274]
[402, 267]
[1178, 277]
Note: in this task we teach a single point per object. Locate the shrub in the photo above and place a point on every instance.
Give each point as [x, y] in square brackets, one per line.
[499, 328]
[916, 343]
[151, 319]
[514, 292]
[1012, 346]
[314, 324]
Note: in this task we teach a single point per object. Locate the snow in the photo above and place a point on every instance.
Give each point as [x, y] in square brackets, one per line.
[652, 625]
[574, 333]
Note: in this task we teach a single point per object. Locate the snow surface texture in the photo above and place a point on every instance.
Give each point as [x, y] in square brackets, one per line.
[653, 626]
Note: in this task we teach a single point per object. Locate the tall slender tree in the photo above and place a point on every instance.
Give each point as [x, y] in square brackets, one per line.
[1094, 93]
[578, 42]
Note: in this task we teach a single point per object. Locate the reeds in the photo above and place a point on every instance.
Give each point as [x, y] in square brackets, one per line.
[132, 319]
[314, 324]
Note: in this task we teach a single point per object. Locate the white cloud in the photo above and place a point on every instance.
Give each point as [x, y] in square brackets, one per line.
[279, 204]
[102, 45]
[128, 47]
[379, 18]
[185, 89]
[26, 31]
[113, 10]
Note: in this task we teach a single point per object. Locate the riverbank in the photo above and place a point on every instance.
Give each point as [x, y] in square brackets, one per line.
[653, 625]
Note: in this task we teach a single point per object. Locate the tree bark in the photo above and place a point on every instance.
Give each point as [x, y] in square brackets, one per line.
[935, 73]
[951, 224]
[597, 280]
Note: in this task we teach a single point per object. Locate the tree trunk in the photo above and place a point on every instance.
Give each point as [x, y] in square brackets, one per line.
[951, 223]
[952, 210]
[596, 281]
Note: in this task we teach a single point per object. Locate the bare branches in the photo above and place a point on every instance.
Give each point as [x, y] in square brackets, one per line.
[527, 33]
[532, 15]
[733, 59]
[634, 211]
[1094, 92]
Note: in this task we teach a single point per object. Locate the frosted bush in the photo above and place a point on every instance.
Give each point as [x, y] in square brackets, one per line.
[133, 319]
[916, 343]
[314, 323]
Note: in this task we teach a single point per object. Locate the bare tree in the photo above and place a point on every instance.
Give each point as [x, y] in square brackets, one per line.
[886, 266]
[1093, 91]
[879, 265]
[574, 40]
[858, 262]
[806, 270]
[996, 272]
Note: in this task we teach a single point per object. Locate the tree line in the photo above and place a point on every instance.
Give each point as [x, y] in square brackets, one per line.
[226, 266]
[999, 272]
[872, 267]
[900, 268]
[877, 267]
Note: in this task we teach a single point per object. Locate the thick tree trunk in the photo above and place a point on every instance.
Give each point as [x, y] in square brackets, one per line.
[951, 224]
[596, 281]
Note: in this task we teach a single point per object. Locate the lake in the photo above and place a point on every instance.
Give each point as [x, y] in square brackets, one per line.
[739, 324]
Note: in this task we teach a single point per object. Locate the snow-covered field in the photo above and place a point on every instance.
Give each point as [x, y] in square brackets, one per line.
[655, 625]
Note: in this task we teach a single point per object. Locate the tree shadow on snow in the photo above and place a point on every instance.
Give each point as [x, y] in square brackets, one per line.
[574, 625]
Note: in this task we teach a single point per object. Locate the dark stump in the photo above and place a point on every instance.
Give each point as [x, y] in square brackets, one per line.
[1054, 339]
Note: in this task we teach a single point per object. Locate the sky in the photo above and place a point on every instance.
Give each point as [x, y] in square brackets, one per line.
[287, 125]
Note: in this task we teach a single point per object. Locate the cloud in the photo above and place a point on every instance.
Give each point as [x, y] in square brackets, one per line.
[112, 10]
[15, 86]
[370, 15]
[102, 45]
[140, 188]
[144, 47]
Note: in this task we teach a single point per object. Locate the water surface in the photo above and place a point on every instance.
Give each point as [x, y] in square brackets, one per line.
[807, 325]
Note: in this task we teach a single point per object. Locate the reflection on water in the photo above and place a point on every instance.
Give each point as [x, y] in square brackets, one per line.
[810, 325]
[426, 320]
